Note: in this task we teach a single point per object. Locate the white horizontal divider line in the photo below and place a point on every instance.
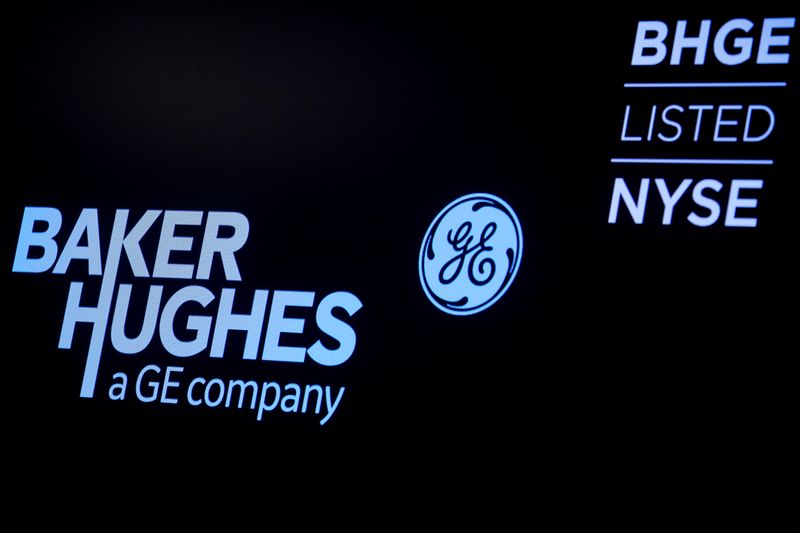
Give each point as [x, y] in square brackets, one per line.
[691, 84]
[675, 161]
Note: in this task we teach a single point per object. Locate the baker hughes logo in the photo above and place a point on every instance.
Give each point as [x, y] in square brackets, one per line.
[470, 254]
[184, 332]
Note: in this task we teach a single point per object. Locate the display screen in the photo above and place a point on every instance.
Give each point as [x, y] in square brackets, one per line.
[403, 243]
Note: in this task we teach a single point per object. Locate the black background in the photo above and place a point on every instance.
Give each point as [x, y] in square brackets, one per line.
[627, 363]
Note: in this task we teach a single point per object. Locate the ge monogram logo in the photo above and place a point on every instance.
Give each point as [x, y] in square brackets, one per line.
[470, 254]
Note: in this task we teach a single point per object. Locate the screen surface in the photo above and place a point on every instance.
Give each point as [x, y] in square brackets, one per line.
[402, 243]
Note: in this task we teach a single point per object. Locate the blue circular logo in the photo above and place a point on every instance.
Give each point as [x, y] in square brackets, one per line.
[470, 254]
